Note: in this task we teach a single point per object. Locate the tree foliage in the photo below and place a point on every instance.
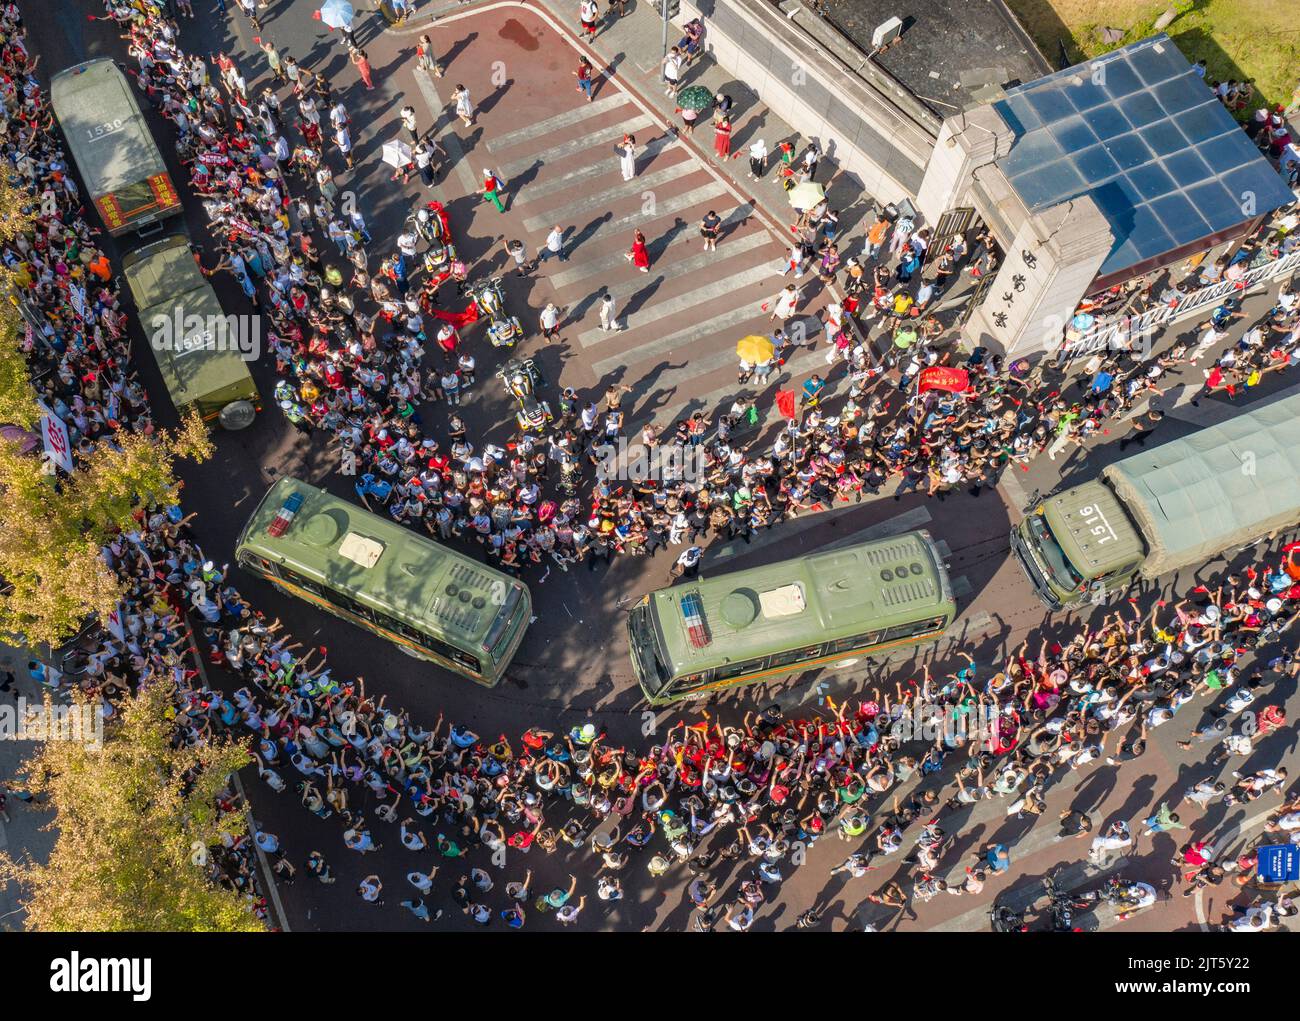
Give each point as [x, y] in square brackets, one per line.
[130, 815]
[52, 530]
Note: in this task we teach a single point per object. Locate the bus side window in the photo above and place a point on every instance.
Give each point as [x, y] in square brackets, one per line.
[305, 583]
[260, 564]
[686, 683]
[730, 670]
[310, 585]
[355, 608]
[466, 660]
[856, 641]
[916, 628]
[796, 655]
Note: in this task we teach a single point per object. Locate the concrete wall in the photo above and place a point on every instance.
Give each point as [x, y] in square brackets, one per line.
[792, 75]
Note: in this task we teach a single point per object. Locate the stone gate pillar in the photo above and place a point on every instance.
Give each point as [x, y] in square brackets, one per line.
[1048, 267]
[966, 141]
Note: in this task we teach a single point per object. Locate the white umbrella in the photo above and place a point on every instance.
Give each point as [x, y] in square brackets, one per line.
[396, 153]
[337, 14]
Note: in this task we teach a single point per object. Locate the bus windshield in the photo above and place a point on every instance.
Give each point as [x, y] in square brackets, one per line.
[500, 630]
[1053, 557]
[645, 651]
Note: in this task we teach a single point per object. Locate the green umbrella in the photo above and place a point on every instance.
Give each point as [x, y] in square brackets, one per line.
[695, 97]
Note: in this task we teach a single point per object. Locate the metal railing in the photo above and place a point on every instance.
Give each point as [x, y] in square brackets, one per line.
[1118, 332]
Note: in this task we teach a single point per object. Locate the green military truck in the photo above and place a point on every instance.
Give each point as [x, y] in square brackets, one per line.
[111, 144]
[1174, 506]
[202, 353]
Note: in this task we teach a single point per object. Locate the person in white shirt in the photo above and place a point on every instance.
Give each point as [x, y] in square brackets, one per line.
[1253, 919]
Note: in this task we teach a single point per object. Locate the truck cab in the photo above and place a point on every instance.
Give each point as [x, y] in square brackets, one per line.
[1078, 546]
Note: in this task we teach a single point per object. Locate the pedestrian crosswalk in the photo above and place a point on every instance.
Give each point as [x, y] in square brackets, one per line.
[681, 319]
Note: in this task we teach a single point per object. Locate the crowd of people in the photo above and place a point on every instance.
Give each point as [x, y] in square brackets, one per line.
[731, 810]
[704, 797]
[75, 341]
[364, 348]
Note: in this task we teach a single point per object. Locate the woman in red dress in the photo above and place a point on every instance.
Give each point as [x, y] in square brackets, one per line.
[639, 256]
[722, 138]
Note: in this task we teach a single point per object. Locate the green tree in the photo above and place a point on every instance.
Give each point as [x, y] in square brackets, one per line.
[52, 531]
[134, 818]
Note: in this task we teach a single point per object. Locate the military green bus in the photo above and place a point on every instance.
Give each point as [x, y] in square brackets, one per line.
[201, 352]
[113, 148]
[762, 624]
[431, 602]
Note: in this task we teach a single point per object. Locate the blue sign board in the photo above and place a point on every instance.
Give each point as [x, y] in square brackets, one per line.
[1279, 863]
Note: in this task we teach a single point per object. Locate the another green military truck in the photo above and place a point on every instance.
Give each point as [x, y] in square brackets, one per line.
[202, 353]
[113, 149]
[1174, 506]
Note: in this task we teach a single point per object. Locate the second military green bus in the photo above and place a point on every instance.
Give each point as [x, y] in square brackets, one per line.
[762, 624]
[431, 602]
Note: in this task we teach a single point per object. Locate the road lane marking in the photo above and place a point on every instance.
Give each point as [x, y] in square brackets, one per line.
[571, 179]
[612, 261]
[633, 189]
[447, 138]
[707, 295]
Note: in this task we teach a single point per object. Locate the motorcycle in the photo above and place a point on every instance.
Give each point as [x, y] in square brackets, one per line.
[504, 330]
[1003, 919]
[1126, 896]
[1064, 907]
[430, 222]
[522, 380]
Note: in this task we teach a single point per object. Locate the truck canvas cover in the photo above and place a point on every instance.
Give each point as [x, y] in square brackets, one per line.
[112, 145]
[1218, 488]
[165, 283]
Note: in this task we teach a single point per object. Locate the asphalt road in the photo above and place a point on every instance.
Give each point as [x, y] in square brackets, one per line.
[573, 665]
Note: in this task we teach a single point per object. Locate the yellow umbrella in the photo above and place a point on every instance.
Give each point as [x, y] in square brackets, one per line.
[754, 348]
[806, 195]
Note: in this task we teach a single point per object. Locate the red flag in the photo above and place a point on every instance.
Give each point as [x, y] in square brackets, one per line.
[458, 319]
[941, 377]
[785, 403]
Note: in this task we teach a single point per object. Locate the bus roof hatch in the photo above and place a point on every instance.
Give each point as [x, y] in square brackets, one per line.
[360, 550]
[785, 601]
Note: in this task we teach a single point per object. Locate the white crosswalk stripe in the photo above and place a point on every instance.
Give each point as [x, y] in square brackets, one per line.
[678, 341]
[607, 263]
[706, 296]
[560, 121]
[572, 179]
[636, 187]
[595, 139]
[663, 270]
